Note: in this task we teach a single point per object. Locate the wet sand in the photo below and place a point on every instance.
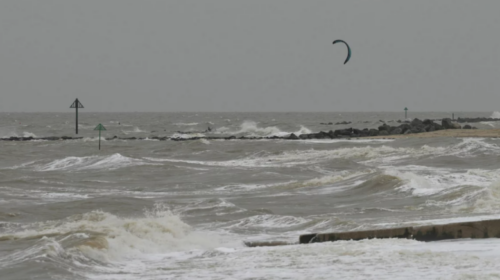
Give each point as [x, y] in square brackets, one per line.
[480, 133]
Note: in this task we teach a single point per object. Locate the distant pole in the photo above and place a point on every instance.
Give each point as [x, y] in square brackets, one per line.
[406, 110]
[76, 104]
[100, 127]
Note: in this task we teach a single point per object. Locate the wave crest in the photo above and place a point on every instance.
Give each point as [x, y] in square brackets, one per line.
[112, 162]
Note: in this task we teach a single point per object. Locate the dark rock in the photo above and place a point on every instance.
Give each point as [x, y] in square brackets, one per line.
[416, 122]
[322, 135]
[467, 126]
[343, 132]
[293, 137]
[51, 138]
[428, 122]
[384, 127]
[373, 132]
[448, 124]
[396, 131]
[383, 132]
[404, 127]
[417, 129]
[437, 126]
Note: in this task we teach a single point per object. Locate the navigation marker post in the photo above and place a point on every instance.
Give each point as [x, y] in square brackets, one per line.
[100, 127]
[76, 104]
[406, 109]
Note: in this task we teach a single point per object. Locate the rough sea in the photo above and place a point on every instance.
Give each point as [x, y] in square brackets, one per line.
[148, 209]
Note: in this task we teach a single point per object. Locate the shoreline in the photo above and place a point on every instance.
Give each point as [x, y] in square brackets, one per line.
[454, 133]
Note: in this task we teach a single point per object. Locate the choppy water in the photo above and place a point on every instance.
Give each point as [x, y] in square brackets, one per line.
[182, 210]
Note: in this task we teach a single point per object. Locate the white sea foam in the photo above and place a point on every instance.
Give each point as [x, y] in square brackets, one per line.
[19, 166]
[186, 124]
[425, 181]
[495, 115]
[492, 124]
[299, 157]
[369, 155]
[267, 222]
[111, 162]
[186, 136]
[352, 141]
[93, 139]
[8, 131]
[251, 129]
[135, 130]
[116, 238]
[488, 202]
[28, 134]
[365, 259]
[210, 207]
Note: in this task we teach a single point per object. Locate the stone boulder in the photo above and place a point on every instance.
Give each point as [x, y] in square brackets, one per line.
[343, 132]
[396, 131]
[373, 132]
[384, 127]
[405, 127]
[416, 122]
[448, 124]
[293, 137]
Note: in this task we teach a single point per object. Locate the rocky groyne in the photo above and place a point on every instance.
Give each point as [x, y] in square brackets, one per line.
[415, 126]
[476, 120]
[405, 128]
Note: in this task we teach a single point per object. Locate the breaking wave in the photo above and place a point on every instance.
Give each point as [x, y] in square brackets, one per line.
[111, 162]
[185, 124]
[11, 131]
[495, 115]
[251, 129]
[97, 236]
[368, 155]
[186, 135]
[135, 130]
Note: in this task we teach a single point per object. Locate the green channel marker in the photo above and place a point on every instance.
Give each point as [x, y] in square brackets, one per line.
[406, 110]
[100, 127]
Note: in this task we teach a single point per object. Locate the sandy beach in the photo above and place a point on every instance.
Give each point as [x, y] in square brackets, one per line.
[478, 133]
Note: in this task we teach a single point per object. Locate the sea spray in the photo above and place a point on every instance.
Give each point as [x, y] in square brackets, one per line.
[252, 129]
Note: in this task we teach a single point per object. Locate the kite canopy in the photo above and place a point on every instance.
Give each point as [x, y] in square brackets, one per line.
[348, 49]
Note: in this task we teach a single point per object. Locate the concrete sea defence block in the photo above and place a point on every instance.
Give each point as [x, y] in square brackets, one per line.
[477, 229]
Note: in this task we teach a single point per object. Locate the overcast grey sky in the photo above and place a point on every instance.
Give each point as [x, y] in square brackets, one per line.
[259, 55]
